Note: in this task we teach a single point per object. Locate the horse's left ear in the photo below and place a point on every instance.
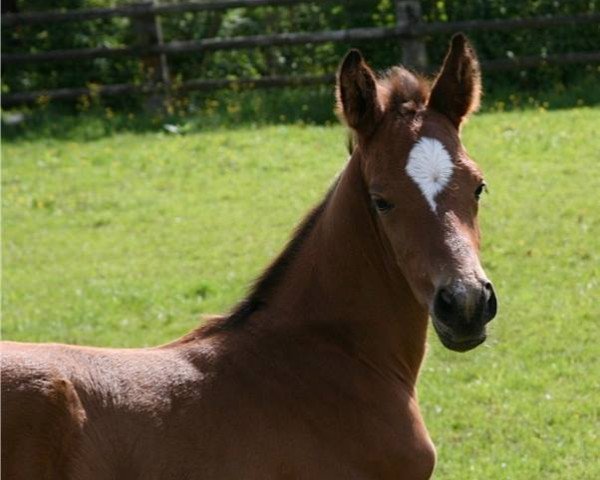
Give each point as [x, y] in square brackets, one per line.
[456, 91]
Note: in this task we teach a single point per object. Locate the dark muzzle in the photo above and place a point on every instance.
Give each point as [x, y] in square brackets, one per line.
[461, 313]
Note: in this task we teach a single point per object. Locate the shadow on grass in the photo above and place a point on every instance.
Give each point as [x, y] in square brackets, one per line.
[239, 109]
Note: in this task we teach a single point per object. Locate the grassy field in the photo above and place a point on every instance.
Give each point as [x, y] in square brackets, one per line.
[127, 240]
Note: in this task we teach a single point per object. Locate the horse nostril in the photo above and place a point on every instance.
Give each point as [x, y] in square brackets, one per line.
[489, 290]
[446, 296]
[491, 302]
[444, 301]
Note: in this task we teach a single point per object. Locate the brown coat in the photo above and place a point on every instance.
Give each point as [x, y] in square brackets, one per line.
[312, 375]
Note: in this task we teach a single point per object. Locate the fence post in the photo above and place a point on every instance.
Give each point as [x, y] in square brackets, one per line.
[414, 54]
[148, 32]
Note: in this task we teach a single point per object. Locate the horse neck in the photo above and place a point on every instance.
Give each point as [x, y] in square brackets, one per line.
[344, 281]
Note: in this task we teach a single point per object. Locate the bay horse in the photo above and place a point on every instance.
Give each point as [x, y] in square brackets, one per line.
[312, 375]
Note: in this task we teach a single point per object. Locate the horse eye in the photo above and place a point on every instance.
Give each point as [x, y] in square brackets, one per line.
[382, 205]
[480, 189]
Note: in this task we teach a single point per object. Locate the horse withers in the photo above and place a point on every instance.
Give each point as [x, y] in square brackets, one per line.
[313, 374]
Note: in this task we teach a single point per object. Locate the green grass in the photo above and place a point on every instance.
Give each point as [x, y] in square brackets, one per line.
[127, 240]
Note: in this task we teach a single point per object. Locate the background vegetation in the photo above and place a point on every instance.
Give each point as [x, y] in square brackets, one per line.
[127, 240]
[296, 60]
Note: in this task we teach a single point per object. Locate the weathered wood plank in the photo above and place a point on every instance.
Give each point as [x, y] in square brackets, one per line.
[404, 30]
[414, 53]
[13, 99]
[208, 44]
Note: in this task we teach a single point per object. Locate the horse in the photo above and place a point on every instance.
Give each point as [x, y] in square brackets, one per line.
[312, 375]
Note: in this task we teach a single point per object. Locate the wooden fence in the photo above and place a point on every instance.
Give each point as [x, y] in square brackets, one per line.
[409, 29]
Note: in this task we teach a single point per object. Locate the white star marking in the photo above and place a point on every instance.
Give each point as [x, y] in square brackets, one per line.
[430, 167]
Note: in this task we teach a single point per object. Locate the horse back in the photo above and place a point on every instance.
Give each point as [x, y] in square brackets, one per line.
[82, 412]
[42, 415]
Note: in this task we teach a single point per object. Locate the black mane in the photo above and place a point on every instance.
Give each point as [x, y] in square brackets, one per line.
[273, 275]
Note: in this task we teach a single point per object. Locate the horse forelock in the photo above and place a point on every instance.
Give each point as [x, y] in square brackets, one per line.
[402, 91]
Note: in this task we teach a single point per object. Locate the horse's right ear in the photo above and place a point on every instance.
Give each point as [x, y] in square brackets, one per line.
[356, 93]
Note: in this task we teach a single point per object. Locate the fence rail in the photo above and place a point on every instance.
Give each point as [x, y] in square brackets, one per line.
[263, 82]
[404, 31]
[407, 29]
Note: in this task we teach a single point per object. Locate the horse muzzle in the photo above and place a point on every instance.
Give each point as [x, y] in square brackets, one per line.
[461, 312]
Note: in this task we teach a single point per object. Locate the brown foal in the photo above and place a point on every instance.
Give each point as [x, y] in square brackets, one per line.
[313, 375]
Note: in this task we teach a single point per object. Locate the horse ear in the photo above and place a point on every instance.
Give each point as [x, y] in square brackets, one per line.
[456, 91]
[356, 93]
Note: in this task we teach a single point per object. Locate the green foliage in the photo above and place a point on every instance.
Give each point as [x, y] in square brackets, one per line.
[127, 240]
[291, 60]
[252, 108]
[88, 34]
[520, 42]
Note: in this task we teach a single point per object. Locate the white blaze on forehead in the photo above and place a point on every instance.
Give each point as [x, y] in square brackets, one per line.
[430, 167]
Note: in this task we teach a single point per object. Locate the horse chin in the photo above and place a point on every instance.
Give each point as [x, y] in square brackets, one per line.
[451, 342]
